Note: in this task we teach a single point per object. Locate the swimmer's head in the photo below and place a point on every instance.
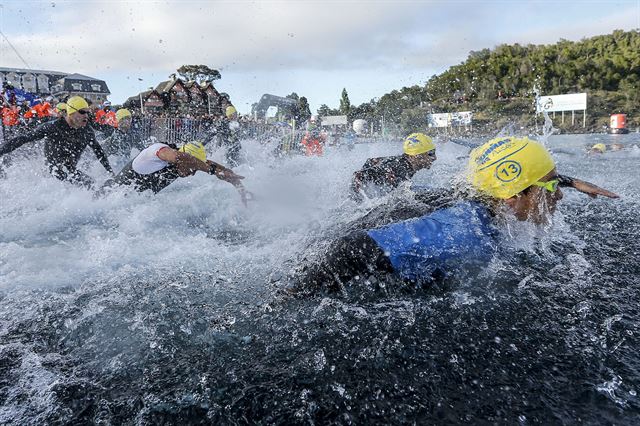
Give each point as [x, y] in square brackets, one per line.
[420, 149]
[195, 149]
[598, 148]
[518, 171]
[418, 143]
[123, 117]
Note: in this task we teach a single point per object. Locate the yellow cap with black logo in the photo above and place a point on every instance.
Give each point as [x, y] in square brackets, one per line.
[504, 167]
[418, 143]
[195, 149]
[75, 104]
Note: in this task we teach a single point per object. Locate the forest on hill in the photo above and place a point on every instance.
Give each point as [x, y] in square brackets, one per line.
[499, 86]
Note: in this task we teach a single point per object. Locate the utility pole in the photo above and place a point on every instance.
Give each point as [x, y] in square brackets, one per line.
[140, 95]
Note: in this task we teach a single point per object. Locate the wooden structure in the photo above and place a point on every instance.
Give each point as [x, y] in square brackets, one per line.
[178, 98]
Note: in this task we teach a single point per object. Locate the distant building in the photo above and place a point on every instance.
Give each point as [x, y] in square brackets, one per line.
[152, 102]
[177, 97]
[55, 83]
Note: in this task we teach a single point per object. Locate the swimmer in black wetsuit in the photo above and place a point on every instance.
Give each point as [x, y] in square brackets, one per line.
[65, 140]
[124, 137]
[158, 165]
[509, 175]
[387, 173]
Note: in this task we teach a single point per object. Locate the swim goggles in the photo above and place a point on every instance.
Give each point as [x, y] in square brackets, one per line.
[552, 185]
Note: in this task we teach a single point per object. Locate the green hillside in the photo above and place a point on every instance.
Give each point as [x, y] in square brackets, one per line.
[498, 85]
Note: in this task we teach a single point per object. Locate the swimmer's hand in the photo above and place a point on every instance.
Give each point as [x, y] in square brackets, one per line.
[228, 175]
[592, 190]
[225, 174]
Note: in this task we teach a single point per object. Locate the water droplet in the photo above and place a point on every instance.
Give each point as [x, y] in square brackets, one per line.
[319, 359]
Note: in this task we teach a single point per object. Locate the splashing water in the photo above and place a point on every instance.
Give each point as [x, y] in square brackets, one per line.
[141, 309]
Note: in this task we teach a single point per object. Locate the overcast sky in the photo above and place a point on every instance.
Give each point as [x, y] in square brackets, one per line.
[313, 48]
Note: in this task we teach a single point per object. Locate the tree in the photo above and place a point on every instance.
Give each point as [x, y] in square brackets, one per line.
[293, 96]
[345, 104]
[304, 112]
[607, 66]
[199, 73]
[324, 110]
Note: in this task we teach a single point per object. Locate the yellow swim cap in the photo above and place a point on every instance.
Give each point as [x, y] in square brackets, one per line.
[600, 147]
[418, 143]
[504, 167]
[195, 149]
[122, 113]
[61, 106]
[76, 103]
[230, 111]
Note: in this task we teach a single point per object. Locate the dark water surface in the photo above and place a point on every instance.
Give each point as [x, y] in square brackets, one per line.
[139, 310]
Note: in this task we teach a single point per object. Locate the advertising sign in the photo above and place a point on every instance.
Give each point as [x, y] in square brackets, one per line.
[438, 120]
[450, 119]
[461, 118]
[570, 102]
[334, 120]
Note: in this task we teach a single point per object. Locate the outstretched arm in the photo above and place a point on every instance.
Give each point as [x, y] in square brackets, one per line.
[188, 165]
[100, 153]
[228, 175]
[586, 187]
[34, 135]
[224, 173]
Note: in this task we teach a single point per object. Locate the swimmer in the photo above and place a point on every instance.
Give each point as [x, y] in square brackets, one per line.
[507, 175]
[124, 137]
[158, 165]
[386, 173]
[598, 148]
[65, 139]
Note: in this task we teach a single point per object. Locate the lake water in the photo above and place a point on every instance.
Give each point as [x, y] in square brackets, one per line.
[142, 309]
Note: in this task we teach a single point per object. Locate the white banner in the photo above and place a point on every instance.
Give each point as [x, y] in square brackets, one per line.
[334, 120]
[461, 118]
[450, 119]
[571, 102]
[438, 120]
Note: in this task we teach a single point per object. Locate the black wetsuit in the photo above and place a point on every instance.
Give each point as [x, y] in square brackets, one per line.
[384, 172]
[120, 143]
[155, 181]
[229, 139]
[352, 255]
[63, 148]
[356, 253]
[438, 230]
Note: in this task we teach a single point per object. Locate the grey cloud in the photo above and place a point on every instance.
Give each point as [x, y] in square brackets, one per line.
[280, 35]
[265, 37]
